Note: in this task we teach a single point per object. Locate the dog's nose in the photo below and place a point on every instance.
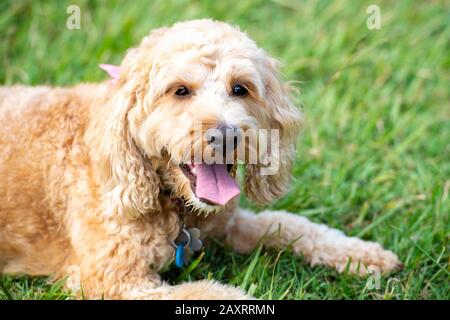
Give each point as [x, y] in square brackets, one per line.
[225, 136]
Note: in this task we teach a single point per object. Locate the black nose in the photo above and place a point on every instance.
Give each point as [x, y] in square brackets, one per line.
[225, 136]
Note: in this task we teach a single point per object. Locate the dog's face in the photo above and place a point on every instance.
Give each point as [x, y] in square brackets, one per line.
[194, 99]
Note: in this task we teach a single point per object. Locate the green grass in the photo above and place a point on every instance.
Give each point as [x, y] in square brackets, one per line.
[374, 159]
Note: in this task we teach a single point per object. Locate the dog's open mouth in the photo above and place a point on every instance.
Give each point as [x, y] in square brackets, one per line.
[211, 183]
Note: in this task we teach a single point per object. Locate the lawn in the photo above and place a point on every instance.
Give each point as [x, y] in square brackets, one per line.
[373, 159]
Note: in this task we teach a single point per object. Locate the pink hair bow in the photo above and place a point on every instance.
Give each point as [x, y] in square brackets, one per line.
[112, 70]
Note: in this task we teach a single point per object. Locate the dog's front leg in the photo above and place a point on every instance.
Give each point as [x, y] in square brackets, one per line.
[116, 258]
[318, 243]
[121, 259]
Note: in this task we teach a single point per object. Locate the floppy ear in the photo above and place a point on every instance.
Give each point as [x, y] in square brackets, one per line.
[265, 183]
[132, 182]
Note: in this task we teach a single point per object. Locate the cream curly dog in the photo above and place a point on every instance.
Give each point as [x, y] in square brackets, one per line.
[95, 181]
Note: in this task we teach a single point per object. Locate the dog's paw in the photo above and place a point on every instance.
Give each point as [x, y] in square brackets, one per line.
[368, 258]
[197, 290]
[207, 290]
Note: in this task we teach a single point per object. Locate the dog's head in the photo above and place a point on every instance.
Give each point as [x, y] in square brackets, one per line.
[191, 102]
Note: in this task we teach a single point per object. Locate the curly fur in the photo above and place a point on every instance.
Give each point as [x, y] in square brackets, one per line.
[89, 173]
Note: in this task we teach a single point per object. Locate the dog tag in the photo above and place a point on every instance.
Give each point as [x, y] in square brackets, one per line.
[194, 232]
[186, 243]
[196, 245]
[179, 256]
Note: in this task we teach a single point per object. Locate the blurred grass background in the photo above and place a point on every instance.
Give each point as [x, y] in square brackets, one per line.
[374, 159]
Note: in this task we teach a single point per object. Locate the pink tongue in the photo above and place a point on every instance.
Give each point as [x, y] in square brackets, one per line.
[215, 184]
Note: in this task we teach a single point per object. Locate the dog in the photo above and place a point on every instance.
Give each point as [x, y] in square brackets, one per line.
[97, 181]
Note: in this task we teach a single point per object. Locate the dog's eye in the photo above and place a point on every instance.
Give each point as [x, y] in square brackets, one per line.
[182, 91]
[239, 90]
